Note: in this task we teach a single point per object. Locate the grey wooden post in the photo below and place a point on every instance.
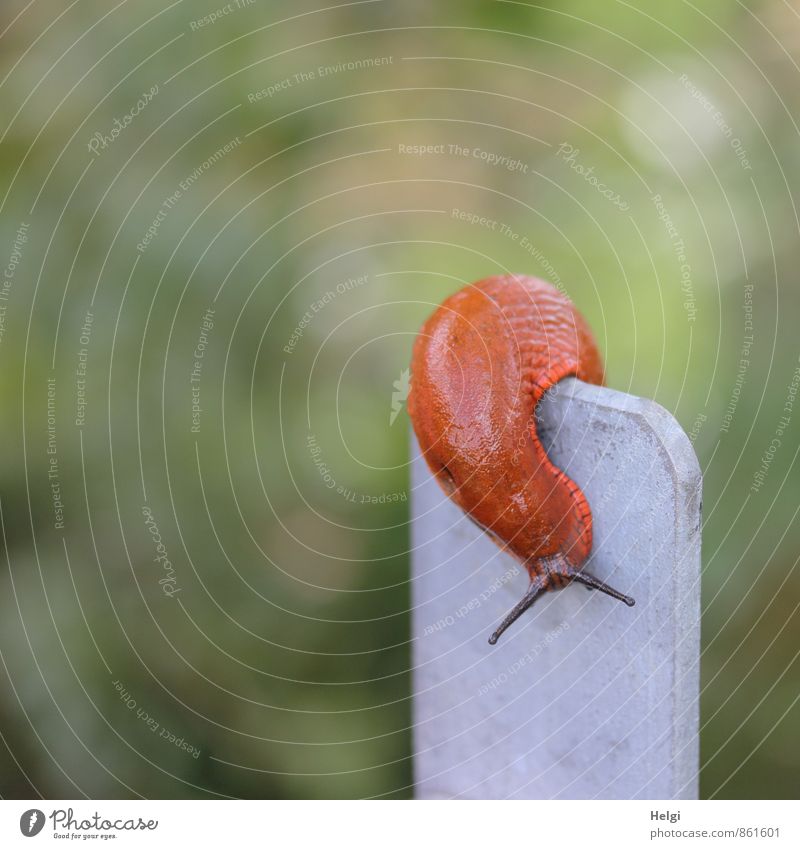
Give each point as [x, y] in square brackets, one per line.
[583, 697]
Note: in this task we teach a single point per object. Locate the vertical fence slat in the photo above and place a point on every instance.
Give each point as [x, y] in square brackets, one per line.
[583, 697]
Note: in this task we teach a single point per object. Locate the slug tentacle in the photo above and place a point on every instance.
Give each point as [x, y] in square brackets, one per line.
[481, 364]
[555, 573]
[592, 583]
[536, 588]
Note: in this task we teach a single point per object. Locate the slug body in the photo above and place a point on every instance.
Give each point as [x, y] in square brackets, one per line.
[480, 365]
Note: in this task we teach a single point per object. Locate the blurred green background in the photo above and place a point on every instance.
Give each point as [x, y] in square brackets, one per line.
[273, 659]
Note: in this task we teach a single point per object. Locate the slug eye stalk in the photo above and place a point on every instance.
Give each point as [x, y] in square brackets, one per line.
[534, 591]
[592, 583]
[539, 586]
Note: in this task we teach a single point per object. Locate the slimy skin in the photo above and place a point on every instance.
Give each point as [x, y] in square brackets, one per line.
[480, 365]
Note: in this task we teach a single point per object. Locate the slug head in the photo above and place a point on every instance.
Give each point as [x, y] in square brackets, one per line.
[553, 573]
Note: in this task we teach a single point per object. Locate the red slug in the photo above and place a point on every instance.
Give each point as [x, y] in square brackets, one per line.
[480, 365]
